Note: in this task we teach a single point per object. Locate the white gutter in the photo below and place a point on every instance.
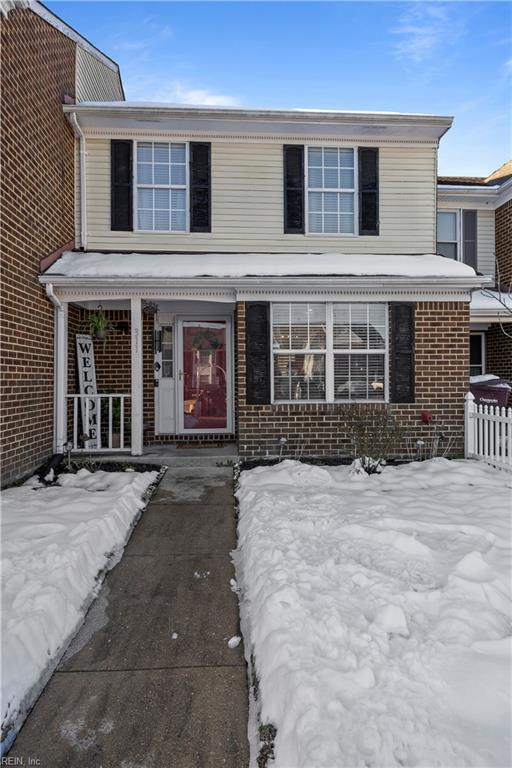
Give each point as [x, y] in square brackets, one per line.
[53, 298]
[83, 181]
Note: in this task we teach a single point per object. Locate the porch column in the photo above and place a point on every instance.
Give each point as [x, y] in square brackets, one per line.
[60, 359]
[137, 426]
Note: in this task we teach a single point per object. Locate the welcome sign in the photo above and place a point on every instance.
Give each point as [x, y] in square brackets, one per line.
[87, 386]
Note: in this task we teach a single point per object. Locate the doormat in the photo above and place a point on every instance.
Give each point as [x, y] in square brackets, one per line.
[203, 444]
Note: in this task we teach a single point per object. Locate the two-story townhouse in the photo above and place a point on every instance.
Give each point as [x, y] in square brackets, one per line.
[475, 226]
[43, 63]
[290, 258]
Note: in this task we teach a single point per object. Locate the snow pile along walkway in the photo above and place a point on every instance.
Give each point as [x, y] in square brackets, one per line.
[57, 542]
[377, 610]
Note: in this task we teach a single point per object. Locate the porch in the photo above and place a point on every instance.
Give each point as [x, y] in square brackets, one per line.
[162, 376]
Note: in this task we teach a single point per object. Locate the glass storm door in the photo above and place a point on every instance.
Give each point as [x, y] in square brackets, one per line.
[204, 376]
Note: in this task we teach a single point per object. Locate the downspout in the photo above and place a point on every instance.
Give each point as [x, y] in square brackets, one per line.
[83, 182]
[59, 371]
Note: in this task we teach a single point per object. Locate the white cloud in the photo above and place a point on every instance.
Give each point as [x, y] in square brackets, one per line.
[425, 29]
[155, 88]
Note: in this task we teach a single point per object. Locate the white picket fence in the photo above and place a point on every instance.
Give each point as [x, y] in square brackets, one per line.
[488, 433]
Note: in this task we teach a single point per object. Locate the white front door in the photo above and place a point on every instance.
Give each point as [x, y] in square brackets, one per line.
[204, 384]
[165, 380]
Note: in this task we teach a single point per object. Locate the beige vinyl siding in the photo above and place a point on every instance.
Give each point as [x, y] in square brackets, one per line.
[485, 248]
[95, 81]
[247, 205]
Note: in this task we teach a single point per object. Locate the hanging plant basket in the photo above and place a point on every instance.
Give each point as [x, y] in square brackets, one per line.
[99, 325]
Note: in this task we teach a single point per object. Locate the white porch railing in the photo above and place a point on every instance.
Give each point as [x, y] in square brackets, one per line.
[98, 423]
[488, 433]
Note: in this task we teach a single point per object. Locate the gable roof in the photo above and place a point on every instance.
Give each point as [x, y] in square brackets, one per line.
[496, 178]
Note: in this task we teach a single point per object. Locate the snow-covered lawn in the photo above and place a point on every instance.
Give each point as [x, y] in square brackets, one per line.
[377, 610]
[57, 541]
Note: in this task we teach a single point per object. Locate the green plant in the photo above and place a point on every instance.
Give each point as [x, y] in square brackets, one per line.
[374, 434]
[99, 324]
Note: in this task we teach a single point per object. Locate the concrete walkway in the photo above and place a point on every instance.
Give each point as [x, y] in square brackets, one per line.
[149, 682]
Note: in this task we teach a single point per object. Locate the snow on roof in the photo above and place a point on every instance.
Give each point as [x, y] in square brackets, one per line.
[492, 301]
[233, 265]
[238, 108]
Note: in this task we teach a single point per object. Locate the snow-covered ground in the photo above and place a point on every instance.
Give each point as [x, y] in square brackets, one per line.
[57, 541]
[377, 609]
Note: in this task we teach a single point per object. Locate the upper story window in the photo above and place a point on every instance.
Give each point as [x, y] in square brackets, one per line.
[331, 352]
[457, 235]
[161, 186]
[331, 190]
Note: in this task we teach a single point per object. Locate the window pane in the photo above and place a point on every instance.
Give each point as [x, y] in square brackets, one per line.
[376, 377]
[178, 221]
[144, 173]
[161, 198]
[330, 158]
[161, 174]
[331, 223]
[178, 174]
[331, 202]
[447, 249]
[346, 179]
[145, 152]
[145, 198]
[347, 224]
[346, 158]
[331, 178]
[162, 220]
[315, 156]
[298, 326]
[178, 199]
[315, 202]
[446, 226]
[177, 153]
[315, 177]
[475, 350]
[161, 152]
[346, 202]
[299, 377]
[315, 222]
[145, 219]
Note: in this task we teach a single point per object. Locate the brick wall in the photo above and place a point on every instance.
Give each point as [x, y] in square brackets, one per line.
[498, 349]
[36, 195]
[442, 369]
[503, 219]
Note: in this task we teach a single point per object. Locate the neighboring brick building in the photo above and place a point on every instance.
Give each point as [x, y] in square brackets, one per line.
[43, 61]
[489, 200]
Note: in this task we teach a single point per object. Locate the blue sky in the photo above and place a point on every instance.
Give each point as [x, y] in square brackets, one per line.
[452, 58]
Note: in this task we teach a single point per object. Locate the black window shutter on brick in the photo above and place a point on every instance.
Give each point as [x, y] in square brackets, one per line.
[368, 163]
[257, 354]
[402, 353]
[469, 238]
[200, 186]
[293, 167]
[121, 207]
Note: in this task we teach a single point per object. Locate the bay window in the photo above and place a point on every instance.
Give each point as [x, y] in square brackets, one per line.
[331, 190]
[331, 352]
[161, 186]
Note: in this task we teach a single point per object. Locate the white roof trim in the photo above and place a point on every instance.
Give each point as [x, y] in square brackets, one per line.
[496, 194]
[57, 23]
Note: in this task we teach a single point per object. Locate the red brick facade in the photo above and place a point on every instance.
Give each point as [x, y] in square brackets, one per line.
[503, 219]
[36, 191]
[498, 348]
[441, 379]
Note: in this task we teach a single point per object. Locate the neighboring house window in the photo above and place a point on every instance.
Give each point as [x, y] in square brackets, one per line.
[331, 190]
[329, 352]
[457, 235]
[448, 234]
[161, 186]
[476, 354]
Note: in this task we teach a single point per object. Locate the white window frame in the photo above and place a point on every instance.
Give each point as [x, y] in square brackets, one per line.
[160, 140]
[458, 230]
[484, 352]
[355, 190]
[329, 354]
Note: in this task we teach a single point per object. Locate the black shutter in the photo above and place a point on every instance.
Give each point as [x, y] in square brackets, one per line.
[121, 206]
[469, 238]
[200, 186]
[293, 167]
[402, 353]
[257, 354]
[368, 164]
